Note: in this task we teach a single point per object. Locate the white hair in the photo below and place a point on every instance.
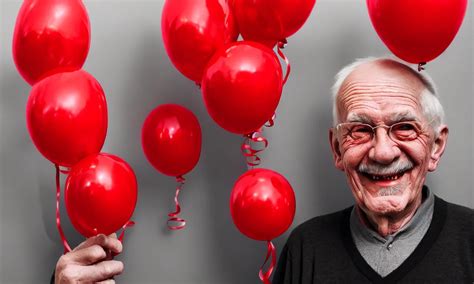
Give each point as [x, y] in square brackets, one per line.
[432, 108]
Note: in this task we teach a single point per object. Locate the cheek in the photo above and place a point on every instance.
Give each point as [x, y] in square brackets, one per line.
[352, 156]
[348, 143]
[419, 152]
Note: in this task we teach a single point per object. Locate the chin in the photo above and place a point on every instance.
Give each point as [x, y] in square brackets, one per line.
[386, 205]
[385, 197]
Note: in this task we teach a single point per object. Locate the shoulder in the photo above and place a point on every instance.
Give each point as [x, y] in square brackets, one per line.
[454, 244]
[458, 226]
[318, 229]
[460, 217]
[458, 213]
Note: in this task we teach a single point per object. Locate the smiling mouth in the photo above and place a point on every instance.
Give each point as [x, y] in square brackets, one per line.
[388, 177]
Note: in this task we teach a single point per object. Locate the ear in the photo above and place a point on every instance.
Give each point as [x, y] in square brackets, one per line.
[336, 153]
[438, 148]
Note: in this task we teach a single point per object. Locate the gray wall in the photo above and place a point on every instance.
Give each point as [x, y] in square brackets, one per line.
[128, 58]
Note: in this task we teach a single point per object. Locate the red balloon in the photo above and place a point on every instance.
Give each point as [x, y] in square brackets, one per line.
[417, 31]
[51, 36]
[262, 204]
[193, 30]
[268, 21]
[100, 194]
[66, 115]
[242, 86]
[171, 139]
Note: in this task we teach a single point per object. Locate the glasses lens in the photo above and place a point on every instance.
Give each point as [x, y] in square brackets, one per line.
[361, 132]
[404, 131]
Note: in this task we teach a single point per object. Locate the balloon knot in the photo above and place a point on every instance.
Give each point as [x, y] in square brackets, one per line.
[271, 121]
[421, 66]
[282, 43]
[180, 179]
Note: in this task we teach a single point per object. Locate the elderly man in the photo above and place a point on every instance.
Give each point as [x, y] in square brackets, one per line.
[388, 134]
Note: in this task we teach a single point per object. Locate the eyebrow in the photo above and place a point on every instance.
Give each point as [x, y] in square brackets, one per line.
[394, 118]
[403, 116]
[356, 117]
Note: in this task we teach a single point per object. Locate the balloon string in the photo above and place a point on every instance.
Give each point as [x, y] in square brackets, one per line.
[124, 227]
[173, 216]
[421, 66]
[250, 152]
[281, 45]
[122, 234]
[271, 255]
[66, 246]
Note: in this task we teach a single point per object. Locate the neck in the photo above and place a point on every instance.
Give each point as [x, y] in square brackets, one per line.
[390, 223]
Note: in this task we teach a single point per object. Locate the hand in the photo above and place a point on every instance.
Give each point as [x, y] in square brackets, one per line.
[90, 262]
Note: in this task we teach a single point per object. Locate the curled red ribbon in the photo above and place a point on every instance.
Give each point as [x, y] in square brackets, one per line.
[249, 151]
[281, 45]
[271, 255]
[421, 66]
[124, 227]
[174, 221]
[122, 234]
[66, 246]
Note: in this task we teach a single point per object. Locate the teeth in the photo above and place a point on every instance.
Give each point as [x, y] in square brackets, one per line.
[394, 177]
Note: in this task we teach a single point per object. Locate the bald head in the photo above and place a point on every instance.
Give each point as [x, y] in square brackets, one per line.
[383, 79]
[384, 71]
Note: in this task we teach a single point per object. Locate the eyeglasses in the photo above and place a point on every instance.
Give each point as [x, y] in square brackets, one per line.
[363, 133]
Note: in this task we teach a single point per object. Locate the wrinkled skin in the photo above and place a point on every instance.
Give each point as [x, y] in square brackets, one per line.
[91, 261]
[383, 92]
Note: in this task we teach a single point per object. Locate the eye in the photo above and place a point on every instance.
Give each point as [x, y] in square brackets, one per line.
[361, 128]
[404, 127]
[404, 131]
[361, 131]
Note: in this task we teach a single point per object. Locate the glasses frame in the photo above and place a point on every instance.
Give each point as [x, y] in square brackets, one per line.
[416, 125]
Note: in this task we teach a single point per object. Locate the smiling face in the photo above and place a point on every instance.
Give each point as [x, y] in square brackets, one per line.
[385, 175]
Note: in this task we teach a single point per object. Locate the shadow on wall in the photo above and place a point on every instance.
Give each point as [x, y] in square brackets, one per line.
[222, 164]
[152, 81]
[27, 186]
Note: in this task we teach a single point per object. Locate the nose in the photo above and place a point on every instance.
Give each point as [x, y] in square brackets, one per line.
[384, 149]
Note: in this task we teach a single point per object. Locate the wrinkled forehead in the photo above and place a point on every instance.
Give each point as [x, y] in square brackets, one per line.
[383, 85]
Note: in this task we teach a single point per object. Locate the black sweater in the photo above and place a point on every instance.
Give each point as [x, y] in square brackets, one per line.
[321, 250]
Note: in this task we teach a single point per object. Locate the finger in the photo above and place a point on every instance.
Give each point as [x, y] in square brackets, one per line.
[88, 255]
[101, 271]
[110, 254]
[107, 242]
[114, 245]
[108, 281]
[91, 241]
